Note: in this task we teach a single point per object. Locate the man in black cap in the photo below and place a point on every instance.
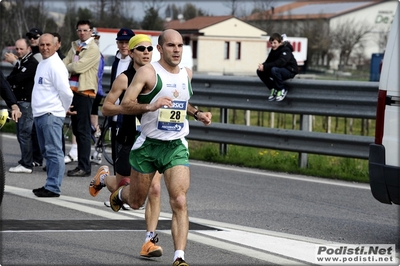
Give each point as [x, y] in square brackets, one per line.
[122, 58]
[33, 37]
[121, 63]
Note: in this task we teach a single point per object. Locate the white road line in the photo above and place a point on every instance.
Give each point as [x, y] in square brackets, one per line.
[270, 246]
[291, 176]
[219, 240]
[70, 205]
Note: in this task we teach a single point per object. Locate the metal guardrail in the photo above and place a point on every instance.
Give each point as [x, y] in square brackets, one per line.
[305, 97]
[311, 97]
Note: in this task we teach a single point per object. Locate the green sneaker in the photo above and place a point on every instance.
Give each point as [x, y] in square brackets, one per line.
[115, 202]
[281, 95]
[272, 96]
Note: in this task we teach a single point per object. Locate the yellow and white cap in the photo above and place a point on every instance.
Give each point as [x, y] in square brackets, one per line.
[138, 38]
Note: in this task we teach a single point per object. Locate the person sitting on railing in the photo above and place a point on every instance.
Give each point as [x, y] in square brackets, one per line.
[280, 65]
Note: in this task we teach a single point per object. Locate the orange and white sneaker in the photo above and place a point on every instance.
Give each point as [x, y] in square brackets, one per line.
[149, 249]
[95, 184]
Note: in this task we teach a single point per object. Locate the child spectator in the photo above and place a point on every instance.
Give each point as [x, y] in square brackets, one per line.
[280, 65]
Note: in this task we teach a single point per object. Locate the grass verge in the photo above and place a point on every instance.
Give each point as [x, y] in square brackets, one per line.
[349, 169]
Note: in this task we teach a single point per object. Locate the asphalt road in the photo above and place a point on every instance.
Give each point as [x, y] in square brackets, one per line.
[238, 216]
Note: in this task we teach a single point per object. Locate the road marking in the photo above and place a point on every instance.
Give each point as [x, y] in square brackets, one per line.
[286, 176]
[274, 247]
[224, 241]
[66, 204]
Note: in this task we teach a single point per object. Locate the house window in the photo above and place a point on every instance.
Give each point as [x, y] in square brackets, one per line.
[238, 50]
[226, 47]
[194, 52]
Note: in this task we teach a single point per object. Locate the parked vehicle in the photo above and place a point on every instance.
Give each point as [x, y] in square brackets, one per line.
[384, 154]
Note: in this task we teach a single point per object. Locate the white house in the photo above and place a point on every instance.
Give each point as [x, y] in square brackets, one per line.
[223, 45]
[297, 16]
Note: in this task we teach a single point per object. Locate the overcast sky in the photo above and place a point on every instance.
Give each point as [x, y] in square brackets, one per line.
[212, 7]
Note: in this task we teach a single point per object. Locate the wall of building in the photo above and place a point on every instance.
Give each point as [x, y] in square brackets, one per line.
[233, 27]
[211, 48]
[379, 17]
[211, 51]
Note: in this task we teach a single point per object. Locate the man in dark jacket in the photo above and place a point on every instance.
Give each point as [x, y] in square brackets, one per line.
[33, 38]
[280, 65]
[120, 64]
[21, 80]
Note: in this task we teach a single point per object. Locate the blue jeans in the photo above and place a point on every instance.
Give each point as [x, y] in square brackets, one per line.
[24, 134]
[49, 131]
[274, 78]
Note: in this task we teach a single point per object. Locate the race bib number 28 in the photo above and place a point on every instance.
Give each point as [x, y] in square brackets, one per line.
[172, 119]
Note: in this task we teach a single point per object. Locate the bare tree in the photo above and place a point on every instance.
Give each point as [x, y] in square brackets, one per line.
[319, 41]
[156, 5]
[112, 14]
[190, 11]
[233, 5]
[262, 15]
[347, 35]
[152, 20]
[382, 40]
[19, 16]
[172, 12]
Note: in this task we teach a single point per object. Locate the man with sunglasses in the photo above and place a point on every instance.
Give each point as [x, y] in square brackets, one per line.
[82, 62]
[160, 93]
[33, 37]
[125, 138]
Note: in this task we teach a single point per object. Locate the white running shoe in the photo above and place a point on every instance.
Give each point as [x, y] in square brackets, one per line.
[97, 159]
[69, 158]
[20, 169]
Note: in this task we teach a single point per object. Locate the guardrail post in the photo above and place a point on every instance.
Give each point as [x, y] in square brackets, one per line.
[223, 147]
[305, 125]
[248, 118]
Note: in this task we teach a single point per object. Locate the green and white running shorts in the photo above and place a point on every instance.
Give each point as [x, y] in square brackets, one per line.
[154, 154]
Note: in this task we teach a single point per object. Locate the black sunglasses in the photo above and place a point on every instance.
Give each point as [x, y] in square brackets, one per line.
[33, 37]
[141, 48]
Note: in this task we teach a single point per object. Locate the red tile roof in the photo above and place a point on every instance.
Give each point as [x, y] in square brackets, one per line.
[277, 14]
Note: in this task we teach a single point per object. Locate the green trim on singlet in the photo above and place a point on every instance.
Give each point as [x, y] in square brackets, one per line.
[190, 88]
[146, 98]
